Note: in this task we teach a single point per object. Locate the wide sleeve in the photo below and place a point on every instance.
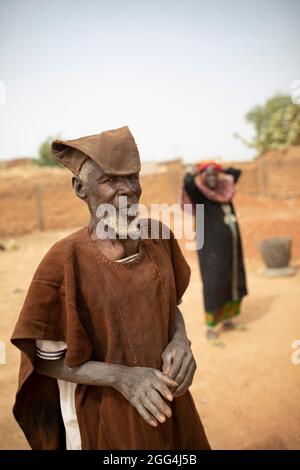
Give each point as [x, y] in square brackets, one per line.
[49, 313]
[191, 189]
[181, 269]
[234, 172]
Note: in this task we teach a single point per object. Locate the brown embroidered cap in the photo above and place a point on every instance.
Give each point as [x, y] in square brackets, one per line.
[115, 151]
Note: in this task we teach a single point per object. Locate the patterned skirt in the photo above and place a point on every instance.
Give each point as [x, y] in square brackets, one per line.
[229, 310]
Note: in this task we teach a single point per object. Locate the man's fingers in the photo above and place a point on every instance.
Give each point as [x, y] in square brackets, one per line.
[184, 368]
[145, 414]
[167, 361]
[167, 380]
[184, 386]
[164, 390]
[160, 404]
[158, 414]
[176, 364]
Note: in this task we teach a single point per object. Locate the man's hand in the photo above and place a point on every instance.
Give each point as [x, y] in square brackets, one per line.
[144, 388]
[179, 363]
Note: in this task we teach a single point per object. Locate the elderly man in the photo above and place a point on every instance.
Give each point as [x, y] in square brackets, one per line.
[106, 363]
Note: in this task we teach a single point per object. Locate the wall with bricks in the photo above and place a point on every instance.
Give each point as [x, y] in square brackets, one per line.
[26, 191]
[274, 174]
[28, 195]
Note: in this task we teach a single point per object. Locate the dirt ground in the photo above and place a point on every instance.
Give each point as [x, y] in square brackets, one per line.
[247, 392]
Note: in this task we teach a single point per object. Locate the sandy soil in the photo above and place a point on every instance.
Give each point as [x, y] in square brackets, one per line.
[247, 392]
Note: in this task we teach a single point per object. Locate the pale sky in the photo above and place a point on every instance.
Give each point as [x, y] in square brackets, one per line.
[181, 75]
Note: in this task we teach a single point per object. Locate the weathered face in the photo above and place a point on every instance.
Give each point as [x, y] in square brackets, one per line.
[210, 177]
[100, 188]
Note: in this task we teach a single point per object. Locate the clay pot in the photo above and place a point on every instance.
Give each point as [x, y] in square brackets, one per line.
[276, 252]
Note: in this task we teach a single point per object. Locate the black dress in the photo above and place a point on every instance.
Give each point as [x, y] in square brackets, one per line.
[221, 257]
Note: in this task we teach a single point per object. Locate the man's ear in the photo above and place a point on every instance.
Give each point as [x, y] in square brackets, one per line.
[78, 188]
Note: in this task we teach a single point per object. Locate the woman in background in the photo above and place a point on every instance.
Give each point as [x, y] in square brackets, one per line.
[221, 258]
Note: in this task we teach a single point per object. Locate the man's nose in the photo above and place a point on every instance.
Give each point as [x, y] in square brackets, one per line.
[126, 188]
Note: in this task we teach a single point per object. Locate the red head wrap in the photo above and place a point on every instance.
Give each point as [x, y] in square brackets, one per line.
[202, 166]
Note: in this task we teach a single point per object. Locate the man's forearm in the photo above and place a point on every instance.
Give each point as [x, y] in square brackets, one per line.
[93, 372]
[180, 330]
[89, 373]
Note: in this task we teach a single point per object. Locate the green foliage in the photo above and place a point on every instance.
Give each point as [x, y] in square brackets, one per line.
[45, 157]
[276, 124]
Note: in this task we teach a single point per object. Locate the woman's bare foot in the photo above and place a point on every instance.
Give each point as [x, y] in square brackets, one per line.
[211, 334]
[213, 337]
[230, 325]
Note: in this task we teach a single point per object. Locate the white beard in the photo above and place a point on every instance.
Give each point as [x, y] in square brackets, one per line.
[119, 225]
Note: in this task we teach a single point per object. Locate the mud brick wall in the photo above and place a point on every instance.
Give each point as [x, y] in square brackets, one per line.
[275, 174]
[26, 191]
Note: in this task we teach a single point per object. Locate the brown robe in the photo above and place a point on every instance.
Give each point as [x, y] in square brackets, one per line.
[122, 313]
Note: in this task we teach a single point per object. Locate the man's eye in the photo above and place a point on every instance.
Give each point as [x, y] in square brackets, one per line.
[132, 177]
[106, 180]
